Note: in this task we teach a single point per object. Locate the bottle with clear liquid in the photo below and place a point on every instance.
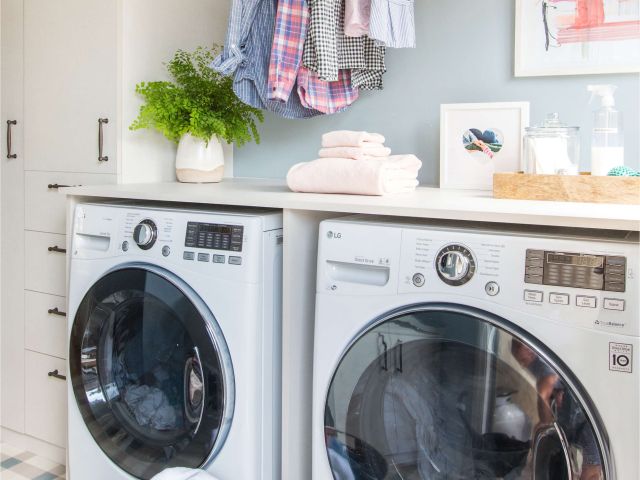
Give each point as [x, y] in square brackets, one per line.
[607, 140]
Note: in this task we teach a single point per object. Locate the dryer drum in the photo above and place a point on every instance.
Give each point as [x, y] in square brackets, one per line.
[149, 372]
[464, 395]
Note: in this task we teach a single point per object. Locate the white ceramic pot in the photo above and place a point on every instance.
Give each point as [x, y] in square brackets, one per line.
[197, 162]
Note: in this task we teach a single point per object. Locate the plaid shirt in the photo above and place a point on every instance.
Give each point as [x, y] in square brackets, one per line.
[292, 22]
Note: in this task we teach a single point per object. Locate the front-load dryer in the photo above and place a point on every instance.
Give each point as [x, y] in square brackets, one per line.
[174, 341]
[475, 352]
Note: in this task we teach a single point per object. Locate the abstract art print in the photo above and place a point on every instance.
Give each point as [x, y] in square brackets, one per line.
[478, 140]
[572, 37]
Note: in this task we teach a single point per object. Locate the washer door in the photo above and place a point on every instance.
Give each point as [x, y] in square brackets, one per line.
[150, 371]
[447, 392]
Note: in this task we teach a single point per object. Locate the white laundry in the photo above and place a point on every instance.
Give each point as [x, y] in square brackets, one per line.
[183, 474]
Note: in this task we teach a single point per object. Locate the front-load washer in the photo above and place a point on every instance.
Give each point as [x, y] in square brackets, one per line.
[174, 332]
[467, 352]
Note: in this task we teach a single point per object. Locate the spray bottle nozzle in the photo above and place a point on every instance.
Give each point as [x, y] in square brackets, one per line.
[605, 92]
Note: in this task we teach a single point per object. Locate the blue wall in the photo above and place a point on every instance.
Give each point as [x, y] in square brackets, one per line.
[464, 54]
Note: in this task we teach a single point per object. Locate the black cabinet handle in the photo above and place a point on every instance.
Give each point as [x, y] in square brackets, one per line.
[9, 124]
[55, 311]
[57, 249]
[56, 374]
[56, 186]
[101, 157]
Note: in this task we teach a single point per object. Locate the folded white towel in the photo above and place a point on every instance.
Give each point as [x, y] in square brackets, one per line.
[348, 138]
[183, 474]
[395, 174]
[356, 153]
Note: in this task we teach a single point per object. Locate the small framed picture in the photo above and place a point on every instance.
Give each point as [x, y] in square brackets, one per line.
[479, 139]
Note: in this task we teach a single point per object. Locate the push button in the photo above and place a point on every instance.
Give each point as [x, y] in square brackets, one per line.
[559, 298]
[614, 304]
[219, 259]
[203, 257]
[235, 260]
[533, 296]
[188, 255]
[586, 302]
[418, 279]
[492, 289]
[166, 251]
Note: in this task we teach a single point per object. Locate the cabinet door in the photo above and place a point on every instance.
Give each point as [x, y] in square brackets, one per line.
[70, 82]
[12, 215]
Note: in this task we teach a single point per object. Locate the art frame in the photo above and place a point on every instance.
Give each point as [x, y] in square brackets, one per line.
[478, 140]
[576, 37]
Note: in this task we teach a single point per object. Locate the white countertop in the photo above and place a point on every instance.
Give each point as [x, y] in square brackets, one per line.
[423, 203]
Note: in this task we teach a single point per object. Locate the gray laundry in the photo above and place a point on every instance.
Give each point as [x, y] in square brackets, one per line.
[151, 407]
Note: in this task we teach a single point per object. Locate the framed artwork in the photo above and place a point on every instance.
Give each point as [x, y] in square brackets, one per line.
[573, 37]
[479, 139]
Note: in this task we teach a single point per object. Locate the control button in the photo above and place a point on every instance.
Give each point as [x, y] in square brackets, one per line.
[614, 287]
[534, 271]
[219, 259]
[418, 279]
[586, 302]
[145, 234]
[455, 265]
[536, 279]
[188, 255]
[235, 260]
[559, 298]
[125, 246]
[614, 304]
[533, 296]
[166, 251]
[203, 257]
[616, 261]
[492, 289]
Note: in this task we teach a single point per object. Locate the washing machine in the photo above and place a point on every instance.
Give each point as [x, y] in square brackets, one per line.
[174, 342]
[468, 351]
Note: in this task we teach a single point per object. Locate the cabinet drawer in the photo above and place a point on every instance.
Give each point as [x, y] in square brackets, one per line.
[45, 398]
[44, 268]
[45, 206]
[45, 324]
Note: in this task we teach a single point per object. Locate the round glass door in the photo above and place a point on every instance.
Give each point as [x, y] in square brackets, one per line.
[151, 372]
[444, 392]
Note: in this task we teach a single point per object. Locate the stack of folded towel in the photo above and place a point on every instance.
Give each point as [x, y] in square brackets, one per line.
[356, 163]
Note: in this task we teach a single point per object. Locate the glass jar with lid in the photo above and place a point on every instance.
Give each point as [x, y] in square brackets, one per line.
[552, 148]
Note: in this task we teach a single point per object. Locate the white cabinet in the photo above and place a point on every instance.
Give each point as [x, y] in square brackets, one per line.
[67, 65]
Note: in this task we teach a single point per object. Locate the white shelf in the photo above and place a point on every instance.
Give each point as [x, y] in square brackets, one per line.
[423, 203]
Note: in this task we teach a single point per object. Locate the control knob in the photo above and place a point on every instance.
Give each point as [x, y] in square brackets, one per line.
[145, 234]
[455, 265]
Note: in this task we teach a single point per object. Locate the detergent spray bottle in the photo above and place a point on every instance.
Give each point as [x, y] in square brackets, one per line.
[607, 141]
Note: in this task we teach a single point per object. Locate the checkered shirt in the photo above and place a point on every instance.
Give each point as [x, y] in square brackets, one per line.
[327, 50]
[326, 97]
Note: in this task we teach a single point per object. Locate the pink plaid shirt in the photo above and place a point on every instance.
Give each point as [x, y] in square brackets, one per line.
[292, 21]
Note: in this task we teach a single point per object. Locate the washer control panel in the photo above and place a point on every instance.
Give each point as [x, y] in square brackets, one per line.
[576, 270]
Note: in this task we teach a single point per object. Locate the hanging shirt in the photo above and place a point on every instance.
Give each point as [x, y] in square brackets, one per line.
[392, 23]
[247, 53]
[356, 17]
[327, 50]
[292, 21]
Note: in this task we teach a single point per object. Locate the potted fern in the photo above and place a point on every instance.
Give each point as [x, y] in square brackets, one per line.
[197, 110]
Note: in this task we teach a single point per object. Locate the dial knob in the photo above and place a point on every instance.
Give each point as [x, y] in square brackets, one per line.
[145, 234]
[455, 265]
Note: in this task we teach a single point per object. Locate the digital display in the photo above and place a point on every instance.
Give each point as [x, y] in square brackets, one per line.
[577, 260]
[213, 236]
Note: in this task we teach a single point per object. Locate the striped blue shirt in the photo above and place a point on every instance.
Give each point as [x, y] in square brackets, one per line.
[246, 55]
[392, 23]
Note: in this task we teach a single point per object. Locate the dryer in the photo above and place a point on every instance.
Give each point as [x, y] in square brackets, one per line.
[174, 342]
[468, 351]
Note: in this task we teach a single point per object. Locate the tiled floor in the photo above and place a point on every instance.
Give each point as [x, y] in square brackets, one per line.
[16, 464]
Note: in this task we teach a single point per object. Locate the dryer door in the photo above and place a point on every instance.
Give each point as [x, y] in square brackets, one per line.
[151, 372]
[447, 392]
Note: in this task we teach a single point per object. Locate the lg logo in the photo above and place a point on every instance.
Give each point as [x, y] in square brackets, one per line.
[336, 235]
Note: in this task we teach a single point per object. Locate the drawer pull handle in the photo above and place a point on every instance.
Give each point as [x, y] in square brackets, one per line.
[55, 311]
[56, 374]
[101, 157]
[9, 124]
[57, 249]
[56, 186]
